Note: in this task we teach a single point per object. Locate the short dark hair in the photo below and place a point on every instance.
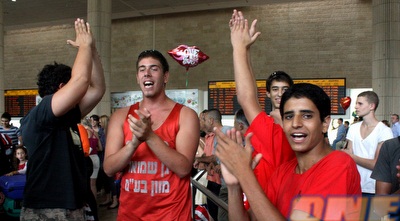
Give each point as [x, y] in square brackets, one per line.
[279, 76]
[6, 115]
[156, 55]
[51, 76]
[214, 114]
[371, 97]
[95, 117]
[310, 91]
[240, 117]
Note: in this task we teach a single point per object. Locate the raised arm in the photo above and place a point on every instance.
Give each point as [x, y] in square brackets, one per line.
[242, 37]
[72, 93]
[97, 86]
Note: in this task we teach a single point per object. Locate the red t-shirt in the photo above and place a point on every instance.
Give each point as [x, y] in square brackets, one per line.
[335, 174]
[269, 140]
[149, 190]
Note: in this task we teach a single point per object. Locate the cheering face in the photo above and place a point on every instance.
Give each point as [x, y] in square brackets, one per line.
[150, 77]
[276, 91]
[302, 124]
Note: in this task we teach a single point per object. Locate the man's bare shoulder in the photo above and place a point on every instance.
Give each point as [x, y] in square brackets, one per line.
[120, 114]
[189, 113]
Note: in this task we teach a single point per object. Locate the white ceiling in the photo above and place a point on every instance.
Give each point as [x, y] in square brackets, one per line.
[33, 13]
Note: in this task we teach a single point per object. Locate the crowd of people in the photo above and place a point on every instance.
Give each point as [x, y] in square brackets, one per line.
[142, 156]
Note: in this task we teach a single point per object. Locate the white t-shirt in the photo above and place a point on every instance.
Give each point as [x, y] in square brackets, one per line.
[366, 148]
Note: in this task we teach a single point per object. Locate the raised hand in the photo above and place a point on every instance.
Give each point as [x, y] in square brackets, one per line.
[241, 34]
[83, 34]
[235, 159]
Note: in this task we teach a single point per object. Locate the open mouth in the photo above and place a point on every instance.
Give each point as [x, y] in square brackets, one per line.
[298, 136]
[148, 84]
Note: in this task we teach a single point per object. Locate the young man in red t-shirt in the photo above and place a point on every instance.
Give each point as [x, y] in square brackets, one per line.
[268, 136]
[305, 111]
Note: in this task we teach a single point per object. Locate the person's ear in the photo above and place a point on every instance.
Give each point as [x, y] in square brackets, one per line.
[372, 107]
[326, 123]
[268, 94]
[166, 77]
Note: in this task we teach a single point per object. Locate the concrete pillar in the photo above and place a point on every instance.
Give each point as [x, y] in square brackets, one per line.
[2, 100]
[99, 18]
[386, 56]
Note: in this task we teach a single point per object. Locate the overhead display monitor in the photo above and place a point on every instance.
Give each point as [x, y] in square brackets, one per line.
[19, 102]
[222, 94]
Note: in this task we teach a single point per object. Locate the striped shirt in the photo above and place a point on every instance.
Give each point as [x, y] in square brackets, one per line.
[12, 132]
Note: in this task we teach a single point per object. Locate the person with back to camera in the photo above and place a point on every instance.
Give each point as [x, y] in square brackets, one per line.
[56, 182]
[154, 143]
[365, 139]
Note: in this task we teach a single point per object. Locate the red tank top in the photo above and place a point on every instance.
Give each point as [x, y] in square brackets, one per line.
[149, 190]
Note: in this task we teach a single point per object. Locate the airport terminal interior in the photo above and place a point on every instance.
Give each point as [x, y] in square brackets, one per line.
[344, 46]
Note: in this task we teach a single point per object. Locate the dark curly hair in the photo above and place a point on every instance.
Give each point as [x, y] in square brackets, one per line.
[51, 76]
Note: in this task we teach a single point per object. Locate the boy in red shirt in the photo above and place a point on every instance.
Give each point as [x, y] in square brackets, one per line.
[305, 111]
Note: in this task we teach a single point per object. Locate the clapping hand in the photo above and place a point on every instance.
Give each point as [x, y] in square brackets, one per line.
[235, 158]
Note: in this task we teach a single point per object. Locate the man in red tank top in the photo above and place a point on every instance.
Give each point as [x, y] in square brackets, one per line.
[154, 144]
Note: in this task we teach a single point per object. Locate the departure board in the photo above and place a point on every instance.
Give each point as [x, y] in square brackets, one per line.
[19, 102]
[335, 88]
[222, 96]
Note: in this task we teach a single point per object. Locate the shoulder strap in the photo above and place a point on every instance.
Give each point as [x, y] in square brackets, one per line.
[132, 108]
